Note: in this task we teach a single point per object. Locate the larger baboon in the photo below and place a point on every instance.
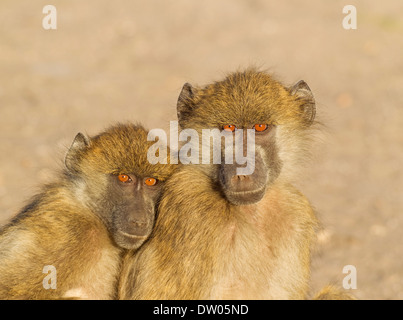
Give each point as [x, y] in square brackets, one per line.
[224, 235]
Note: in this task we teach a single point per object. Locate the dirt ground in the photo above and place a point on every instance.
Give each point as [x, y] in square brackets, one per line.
[126, 60]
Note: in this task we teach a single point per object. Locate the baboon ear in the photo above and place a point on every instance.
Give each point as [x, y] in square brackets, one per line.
[185, 100]
[79, 145]
[302, 90]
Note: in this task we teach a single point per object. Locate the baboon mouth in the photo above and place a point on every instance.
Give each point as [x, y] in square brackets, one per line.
[129, 240]
[134, 236]
[246, 192]
[245, 197]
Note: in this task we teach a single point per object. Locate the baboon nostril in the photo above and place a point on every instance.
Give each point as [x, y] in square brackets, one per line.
[240, 178]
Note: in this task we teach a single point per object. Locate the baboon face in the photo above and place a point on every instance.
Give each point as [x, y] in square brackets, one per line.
[132, 213]
[115, 179]
[251, 100]
[250, 188]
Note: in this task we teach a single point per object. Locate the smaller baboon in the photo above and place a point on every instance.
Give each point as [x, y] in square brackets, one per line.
[80, 225]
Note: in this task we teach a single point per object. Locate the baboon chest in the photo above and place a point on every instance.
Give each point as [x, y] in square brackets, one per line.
[251, 266]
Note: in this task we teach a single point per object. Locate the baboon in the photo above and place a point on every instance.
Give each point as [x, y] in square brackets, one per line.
[101, 204]
[220, 235]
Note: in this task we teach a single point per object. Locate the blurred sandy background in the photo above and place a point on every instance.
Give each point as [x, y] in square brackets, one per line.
[127, 60]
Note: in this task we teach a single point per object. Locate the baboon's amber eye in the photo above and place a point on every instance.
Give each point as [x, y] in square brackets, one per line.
[124, 178]
[260, 127]
[229, 127]
[150, 181]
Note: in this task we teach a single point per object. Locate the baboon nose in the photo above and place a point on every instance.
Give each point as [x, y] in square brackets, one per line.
[136, 227]
[239, 178]
[137, 223]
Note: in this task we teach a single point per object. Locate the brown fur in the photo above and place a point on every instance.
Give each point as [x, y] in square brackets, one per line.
[331, 292]
[206, 247]
[69, 224]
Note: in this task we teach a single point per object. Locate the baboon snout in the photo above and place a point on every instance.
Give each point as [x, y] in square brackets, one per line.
[137, 225]
[243, 189]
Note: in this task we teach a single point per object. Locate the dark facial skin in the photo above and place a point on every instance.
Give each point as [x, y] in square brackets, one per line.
[249, 189]
[126, 204]
[131, 217]
[246, 100]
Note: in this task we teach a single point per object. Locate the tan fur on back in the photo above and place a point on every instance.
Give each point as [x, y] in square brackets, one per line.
[48, 239]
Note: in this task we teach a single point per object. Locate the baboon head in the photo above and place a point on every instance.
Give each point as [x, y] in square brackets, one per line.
[113, 177]
[277, 116]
